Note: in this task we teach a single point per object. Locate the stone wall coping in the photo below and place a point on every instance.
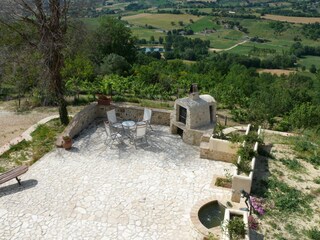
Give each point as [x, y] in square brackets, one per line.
[124, 105]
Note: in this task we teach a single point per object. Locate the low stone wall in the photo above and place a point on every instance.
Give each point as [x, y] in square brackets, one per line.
[219, 150]
[241, 182]
[135, 113]
[95, 112]
[192, 137]
[79, 122]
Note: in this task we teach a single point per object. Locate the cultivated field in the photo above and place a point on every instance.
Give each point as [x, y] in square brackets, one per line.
[161, 21]
[277, 72]
[304, 20]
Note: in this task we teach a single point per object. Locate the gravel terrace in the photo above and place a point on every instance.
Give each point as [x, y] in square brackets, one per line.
[97, 192]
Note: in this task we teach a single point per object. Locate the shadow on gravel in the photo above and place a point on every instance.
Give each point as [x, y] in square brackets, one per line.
[15, 188]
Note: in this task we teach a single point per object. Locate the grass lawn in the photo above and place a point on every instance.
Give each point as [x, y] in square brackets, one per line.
[145, 33]
[204, 23]
[28, 152]
[307, 61]
[223, 38]
[247, 47]
[161, 21]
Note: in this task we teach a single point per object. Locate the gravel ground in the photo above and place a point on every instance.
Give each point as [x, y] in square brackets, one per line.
[12, 124]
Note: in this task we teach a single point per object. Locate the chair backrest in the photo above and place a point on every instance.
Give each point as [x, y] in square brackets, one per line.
[108, 130]
[141, 130]
[112, 118]
[147, 114]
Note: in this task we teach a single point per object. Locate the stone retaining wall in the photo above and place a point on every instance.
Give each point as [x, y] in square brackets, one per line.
[242, 182]
[94, 112]
[79, 122]
[218, 150]
[135, 113]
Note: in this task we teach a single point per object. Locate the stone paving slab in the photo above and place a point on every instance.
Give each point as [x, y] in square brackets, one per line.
[97, 192]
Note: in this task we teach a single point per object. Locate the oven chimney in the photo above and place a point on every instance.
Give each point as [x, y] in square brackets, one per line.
[194, 93]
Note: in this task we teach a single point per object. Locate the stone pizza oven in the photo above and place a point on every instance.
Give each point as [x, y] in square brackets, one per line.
[193, 116]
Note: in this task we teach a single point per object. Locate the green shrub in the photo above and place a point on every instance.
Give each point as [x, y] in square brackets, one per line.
[243, 166]
[223, 182]
[317, 180]
[252, 138]
[303, 145]
[314, 159]
[2, 169]
[235, 137]
[292, 164]
[313, 233]
[246, 153]
[287, 199]
[236, 228]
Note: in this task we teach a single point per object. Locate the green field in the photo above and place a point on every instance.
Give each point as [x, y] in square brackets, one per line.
[91, 23]
[223, 38]
[144, 33]
[204, 23]
[161, 21]
[307, 61]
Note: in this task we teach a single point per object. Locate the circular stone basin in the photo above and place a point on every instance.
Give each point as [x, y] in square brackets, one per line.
[211, 214]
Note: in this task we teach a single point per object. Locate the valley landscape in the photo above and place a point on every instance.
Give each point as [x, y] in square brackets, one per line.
[258, 59]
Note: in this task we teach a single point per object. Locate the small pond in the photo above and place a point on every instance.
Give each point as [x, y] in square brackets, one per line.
[212, 214]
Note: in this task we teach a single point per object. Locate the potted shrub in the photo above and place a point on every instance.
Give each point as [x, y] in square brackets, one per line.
[103, 99]
[235, 224]
[236, 227]
[67, 142]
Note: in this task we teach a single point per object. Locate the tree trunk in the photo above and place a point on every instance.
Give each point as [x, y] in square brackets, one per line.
[55, 64]
[52, 48]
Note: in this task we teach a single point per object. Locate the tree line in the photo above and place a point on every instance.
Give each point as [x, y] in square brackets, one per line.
[106, 60]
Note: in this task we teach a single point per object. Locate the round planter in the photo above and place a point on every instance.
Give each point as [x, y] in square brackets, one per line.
[104, 102]
[67, 144]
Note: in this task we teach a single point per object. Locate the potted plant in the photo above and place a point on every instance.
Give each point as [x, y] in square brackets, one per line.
[236, 227]
[235, 224]
[103, 99]
[67, 142]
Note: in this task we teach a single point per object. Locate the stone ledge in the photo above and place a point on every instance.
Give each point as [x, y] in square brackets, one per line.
[26, 135]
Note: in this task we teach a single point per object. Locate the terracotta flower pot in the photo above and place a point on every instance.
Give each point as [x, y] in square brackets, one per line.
[67, 143]
[103, 99]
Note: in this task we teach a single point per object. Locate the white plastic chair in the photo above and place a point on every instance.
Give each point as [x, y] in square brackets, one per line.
[140, 133]
[147, 114]
[112, 118]
[112, 135]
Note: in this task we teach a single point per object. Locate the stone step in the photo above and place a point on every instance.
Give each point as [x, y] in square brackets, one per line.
[205, 137]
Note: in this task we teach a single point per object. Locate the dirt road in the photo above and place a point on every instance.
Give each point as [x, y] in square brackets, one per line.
[12, 124]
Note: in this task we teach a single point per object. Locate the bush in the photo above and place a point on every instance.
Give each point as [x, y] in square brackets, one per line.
[305, 115]
[236, 228]
[223, 182]
[313, 233]
[287, 199]
[253, 223]
[292, 164]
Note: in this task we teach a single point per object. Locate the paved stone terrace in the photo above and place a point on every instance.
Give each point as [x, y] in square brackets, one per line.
[94, 192]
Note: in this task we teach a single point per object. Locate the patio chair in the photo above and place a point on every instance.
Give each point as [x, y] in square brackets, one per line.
[147, 113]
[112, 134]
[112, 118]
[139, 133]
